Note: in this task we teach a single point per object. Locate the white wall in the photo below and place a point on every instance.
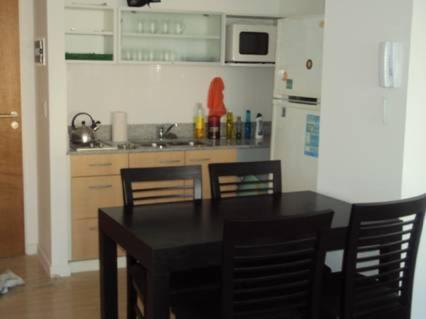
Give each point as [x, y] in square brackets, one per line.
[152, 94]
[301, 7]
[51, 121]
[414, 169]
[26, 22]
[364, 158]
[42, 134]
[360, 155]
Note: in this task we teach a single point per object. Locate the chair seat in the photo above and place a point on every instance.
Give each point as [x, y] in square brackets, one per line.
[332, 292]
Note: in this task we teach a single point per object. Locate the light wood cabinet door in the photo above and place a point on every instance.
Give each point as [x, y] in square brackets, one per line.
[98, 165]
[204, 158]
[85, 243]
[157, 159]
[88, 194]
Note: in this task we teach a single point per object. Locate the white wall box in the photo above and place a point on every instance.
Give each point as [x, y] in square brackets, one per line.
[170, 37]
[90, 33]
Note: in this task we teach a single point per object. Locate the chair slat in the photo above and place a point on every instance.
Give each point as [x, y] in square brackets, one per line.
[241, 171]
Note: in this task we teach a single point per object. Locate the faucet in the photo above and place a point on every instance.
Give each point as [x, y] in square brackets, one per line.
[165, 133]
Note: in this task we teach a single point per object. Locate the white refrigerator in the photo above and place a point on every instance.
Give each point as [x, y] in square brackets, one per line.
[296, 101]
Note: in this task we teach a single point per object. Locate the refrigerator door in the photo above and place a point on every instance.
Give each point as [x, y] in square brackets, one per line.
[299, 171]
[299, 56]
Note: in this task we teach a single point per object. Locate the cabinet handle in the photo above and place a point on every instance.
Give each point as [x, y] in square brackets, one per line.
[93, 228]
[197, 160]
[170, 162]
[100, 165]
[100, 186]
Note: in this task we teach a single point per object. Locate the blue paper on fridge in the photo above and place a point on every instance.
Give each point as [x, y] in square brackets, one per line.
[312, 135]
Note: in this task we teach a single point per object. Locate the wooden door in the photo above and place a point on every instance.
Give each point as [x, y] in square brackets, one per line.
[11, 189]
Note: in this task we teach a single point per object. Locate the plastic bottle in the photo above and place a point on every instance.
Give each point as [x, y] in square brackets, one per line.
[259, 127]
[229, 126]
[199, 125]
[238, 128]
[214, 127]
[247, 126]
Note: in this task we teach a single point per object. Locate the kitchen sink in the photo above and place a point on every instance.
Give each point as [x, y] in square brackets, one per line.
[169, 143]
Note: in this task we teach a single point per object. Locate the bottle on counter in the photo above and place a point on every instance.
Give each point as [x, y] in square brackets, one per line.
[199, 125]
[238, 128]
[259, 127]
[247, 125]
[229, 126]
[214, 127]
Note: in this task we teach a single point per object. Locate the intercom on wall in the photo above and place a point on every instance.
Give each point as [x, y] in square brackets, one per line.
[390, 64]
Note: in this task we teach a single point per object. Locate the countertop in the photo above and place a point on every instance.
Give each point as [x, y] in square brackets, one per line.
[211, 145]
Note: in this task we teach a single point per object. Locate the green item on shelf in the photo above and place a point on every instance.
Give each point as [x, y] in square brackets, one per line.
[88, 56]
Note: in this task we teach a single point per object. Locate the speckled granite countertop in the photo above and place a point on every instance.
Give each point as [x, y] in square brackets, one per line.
[204, 145]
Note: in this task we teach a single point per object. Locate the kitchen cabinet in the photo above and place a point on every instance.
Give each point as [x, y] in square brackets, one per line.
[90, 32]
[95, 183]
[170, 37]
[156, 159]
[206, 157]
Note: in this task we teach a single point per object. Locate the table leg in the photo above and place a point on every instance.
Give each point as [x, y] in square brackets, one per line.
[131, 293]
[108, 276]
[157, 295]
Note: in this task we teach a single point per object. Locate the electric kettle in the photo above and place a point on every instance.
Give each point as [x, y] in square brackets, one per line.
[84, 134]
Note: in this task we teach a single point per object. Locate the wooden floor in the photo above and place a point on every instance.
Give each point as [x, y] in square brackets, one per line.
[46, 298]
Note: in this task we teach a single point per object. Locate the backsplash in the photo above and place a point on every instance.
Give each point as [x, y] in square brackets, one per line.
[150, 131]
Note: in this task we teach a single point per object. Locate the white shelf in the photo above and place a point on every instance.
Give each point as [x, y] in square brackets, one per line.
[91, 33]
[251, 65]
[171, 36]
[101, 6]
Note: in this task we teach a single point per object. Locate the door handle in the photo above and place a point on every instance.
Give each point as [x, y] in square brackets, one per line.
[12, 114]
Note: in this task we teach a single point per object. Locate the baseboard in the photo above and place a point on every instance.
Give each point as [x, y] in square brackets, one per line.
[92, 265]
[31, 249]
[52, 270]
[44, 260]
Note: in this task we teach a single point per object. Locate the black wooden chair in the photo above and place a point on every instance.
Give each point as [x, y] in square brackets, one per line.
[245, 178]
[379, 262]
[271, 269]
[143, 186]
[161, 184]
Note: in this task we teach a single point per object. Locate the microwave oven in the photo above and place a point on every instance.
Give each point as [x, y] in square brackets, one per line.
[253, 43]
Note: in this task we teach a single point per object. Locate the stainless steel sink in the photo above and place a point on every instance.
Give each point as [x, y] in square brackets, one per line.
[169, 143]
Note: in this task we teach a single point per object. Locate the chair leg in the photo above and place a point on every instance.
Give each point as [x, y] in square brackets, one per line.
[131, 293]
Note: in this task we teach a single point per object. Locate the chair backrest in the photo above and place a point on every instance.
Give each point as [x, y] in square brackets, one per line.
[161, 184]
[380, 258]
[245, 178]
[273, 268]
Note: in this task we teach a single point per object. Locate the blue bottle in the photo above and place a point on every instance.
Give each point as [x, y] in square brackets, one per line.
[247, 126]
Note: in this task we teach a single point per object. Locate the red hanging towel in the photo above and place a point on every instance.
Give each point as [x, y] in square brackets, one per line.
[215, 99]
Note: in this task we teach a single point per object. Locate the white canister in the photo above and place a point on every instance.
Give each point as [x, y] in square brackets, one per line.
[119, 127]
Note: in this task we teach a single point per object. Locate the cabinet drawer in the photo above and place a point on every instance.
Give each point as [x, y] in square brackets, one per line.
[88, 194]
[157, 159]
[98, 165]
[85, 240]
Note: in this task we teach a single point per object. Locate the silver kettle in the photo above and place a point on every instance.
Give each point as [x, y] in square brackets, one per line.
[84, 134]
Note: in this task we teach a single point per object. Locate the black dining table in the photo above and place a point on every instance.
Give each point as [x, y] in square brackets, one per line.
[187, 235]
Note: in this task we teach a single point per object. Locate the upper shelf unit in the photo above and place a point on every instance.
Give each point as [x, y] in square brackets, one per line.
[90, 33]
[170, 37]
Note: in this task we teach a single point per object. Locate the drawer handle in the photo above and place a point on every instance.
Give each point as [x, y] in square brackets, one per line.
[200, 160]
[171, 162]
[100, 186]
[100, 165]
[94, 228]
